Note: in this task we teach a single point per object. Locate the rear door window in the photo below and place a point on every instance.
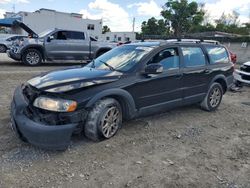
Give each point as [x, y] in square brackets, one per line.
[217, 54]
[193, 56]
[74, 35]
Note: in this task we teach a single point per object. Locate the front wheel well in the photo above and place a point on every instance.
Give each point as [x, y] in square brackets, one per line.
[40, 49]
[3, 45]
[223, 83]
[102, 51]
[124, 105]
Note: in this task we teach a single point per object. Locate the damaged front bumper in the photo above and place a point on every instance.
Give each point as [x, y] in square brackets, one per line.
[39, 133]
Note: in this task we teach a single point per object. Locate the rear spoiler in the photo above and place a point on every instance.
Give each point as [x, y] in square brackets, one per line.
[25, 28]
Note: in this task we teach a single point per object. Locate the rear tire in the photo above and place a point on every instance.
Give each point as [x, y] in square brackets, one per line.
[32, 57]
[3, 49]
[104, 120]
[213, 98]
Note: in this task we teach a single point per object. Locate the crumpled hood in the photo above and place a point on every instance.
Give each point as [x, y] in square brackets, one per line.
[73, 78]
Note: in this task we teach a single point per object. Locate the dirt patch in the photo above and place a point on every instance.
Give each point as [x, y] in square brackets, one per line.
[185, 147]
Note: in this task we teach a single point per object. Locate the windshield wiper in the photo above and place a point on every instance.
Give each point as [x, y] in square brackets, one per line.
[109, 66]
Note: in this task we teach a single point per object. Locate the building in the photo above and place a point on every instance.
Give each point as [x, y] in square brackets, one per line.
[118, 36]
[44, 19]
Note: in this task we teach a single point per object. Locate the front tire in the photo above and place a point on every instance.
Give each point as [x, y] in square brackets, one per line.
[104, 120]
[32, 57]
[3, 49]
[213, 98]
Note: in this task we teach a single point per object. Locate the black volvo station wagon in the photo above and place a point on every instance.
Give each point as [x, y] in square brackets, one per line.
[127, 82]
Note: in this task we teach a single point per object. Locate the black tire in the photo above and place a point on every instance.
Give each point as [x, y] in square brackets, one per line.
[32, 57]
[95, 127]
[213, 98]
[3, 49]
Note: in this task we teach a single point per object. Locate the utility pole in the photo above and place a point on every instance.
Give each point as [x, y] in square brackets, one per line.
[133, 24]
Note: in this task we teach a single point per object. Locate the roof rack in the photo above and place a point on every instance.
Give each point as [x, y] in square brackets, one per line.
[193, 41]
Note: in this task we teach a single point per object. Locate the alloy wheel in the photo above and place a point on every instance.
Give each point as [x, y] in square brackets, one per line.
[32, 58]
[215, 97]
[110, 122]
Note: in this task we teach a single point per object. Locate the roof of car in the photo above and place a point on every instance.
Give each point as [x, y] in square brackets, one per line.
[148, 44]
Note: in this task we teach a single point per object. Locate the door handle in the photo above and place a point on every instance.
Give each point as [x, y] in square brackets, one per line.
[207, 71]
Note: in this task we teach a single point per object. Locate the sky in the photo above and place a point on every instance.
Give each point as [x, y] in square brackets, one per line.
[119, 14]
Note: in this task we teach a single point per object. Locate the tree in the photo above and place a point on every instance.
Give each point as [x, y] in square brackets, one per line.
[182, 15]
[105, 29]
[229, 23]
[154, 27]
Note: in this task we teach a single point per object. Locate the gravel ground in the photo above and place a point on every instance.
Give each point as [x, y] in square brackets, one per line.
[185, 147]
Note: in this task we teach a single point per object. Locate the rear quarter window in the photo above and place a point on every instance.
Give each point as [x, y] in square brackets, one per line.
[217, 54]
[73, 35]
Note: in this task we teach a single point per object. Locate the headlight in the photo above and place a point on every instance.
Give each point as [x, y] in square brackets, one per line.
[57, 105]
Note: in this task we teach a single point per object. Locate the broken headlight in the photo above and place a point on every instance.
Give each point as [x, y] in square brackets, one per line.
[56, 105]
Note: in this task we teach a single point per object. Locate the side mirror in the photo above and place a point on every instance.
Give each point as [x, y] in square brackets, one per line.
[154, 69]
[50, 38]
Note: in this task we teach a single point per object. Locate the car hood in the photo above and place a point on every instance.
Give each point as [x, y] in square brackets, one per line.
[73, 78]
[26, 28]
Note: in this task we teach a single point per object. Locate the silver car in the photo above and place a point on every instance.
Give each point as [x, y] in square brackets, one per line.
[6, 40]
[56, 44]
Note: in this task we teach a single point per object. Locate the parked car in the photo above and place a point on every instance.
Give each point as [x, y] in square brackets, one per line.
[6, 40]
[127, 82]
[242, 75]
[57, 44]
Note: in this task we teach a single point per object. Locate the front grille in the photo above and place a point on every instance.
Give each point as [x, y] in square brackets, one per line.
[245, 77]
[47, 117]
[245, 68]
[55, 118]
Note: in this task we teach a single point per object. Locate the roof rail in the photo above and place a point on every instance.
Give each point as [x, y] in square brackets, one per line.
[193, 40]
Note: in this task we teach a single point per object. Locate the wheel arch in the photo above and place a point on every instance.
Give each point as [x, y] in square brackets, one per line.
[104, 49]
[221, 79]
[37, 47]
[1, 44]
[123, 97]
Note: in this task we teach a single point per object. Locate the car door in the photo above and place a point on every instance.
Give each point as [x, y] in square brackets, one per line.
[79, 45]
[56, 46]
[155, 93]
[195, 74]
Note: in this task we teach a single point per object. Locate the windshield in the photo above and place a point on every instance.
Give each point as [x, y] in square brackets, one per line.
[45, 33]
[121, 58]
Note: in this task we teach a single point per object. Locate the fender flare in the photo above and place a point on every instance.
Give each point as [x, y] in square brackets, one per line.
[219, 76]
[122, 95]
